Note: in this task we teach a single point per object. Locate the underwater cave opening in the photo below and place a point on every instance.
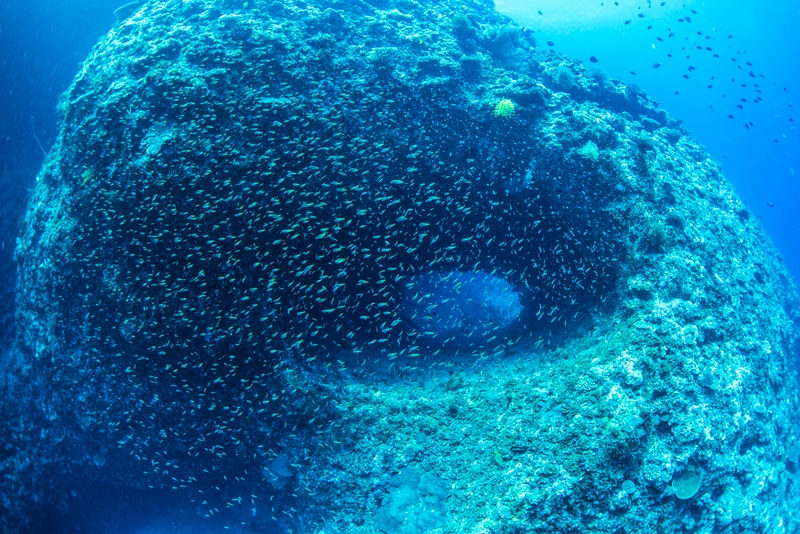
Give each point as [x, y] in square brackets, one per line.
[463, 308]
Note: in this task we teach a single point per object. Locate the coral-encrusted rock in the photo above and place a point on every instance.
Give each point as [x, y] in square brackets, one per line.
[215, 258]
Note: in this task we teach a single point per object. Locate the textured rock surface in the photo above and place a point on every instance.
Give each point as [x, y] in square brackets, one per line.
[212, 265]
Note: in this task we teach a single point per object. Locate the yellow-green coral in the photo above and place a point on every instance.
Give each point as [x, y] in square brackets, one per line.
[88, 175]
[498, 458]
[504, 108]
[589, 151]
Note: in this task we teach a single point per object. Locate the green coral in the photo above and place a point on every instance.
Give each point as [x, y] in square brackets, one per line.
[564, 78]
[589, 151]
[687, 482]
[498, 458]
[504, 108]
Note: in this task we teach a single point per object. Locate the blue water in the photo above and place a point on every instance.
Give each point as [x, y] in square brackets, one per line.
[463, 307]
[42, 44]
[762, 161]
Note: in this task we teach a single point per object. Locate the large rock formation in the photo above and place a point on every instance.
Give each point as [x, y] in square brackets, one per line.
[216, 255]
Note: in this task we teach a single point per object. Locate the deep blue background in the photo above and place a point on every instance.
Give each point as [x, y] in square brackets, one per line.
[762, 162]
[42, 44]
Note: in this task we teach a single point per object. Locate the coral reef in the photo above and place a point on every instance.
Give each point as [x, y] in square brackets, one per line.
[214, 262]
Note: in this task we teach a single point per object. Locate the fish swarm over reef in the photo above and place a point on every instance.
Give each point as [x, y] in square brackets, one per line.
[234, 258]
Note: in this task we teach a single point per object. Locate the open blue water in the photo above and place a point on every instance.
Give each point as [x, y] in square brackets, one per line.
[628, 37]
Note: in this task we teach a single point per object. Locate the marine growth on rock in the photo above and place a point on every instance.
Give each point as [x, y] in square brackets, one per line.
[268, 228]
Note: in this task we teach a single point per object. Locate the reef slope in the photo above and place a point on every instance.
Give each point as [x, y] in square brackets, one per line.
[216, 253]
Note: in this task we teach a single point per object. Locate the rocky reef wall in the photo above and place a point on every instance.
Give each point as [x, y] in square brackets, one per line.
[213, 263]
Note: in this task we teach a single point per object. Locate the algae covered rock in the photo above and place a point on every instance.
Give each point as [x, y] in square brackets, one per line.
[416, 504]
[216, 263]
